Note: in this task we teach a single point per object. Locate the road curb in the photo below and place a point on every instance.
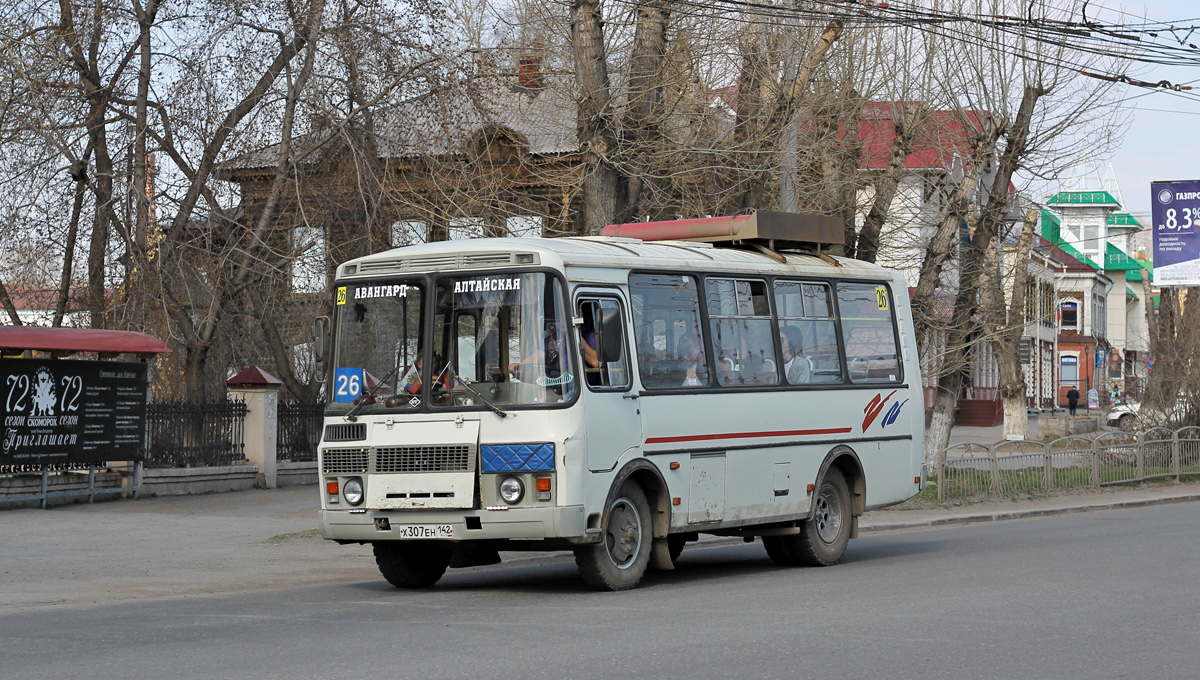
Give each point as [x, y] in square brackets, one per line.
[1024, 514]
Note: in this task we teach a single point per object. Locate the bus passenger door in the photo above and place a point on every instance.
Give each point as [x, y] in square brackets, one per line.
[612, 418]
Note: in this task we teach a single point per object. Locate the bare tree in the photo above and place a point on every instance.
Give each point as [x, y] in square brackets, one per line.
[1004, 318]
[1038, 104]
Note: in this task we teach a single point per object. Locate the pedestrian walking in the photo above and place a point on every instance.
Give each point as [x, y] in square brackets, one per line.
[1072, 399]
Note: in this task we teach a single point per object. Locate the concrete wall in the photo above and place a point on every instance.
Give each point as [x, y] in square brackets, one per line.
[1055, 426]
[296, 474]
[183, 481]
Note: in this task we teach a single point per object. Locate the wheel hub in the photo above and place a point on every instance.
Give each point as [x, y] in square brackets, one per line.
[827, 515]
[624, 536]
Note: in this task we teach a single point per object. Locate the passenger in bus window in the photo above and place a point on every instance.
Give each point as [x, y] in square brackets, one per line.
[588, 347]
[796, 365]
[688, 351]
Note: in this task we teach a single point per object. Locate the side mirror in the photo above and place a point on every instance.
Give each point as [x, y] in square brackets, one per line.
[320, 343]
[610, 336]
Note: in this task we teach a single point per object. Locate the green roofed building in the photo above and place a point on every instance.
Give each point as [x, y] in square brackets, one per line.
[1102, 315]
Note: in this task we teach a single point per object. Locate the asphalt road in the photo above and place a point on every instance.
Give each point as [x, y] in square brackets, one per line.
[1108, 594]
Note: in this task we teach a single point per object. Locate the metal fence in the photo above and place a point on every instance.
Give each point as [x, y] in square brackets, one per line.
[42, 483]
[299, 430]
[182, 433]
[1014, 468]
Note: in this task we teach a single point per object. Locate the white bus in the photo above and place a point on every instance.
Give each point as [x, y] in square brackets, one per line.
[615, 397]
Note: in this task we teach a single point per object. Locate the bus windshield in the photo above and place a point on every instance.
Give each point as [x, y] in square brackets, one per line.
[501, 339]
[379, 326]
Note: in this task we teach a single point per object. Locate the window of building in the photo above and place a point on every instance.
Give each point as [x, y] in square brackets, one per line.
[1068, 314]
[464, 228]
[308, 269]
[807, 333]
[743, 341]
[1047, 311]
[1099, 317]
[407, 233]
[668, 336]
[1069, 371]
[524, 227]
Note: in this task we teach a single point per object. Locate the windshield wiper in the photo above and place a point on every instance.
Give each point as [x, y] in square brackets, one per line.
[498, 411]
[365, 400]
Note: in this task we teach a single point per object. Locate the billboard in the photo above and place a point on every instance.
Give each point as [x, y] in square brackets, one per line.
[1175, 213]
[71, 411]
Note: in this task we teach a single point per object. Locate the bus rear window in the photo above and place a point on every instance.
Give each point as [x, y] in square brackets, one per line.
[868, 333]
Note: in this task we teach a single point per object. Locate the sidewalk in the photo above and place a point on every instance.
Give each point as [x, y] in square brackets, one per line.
[245, 540]
[960, 434]
[1108, 498]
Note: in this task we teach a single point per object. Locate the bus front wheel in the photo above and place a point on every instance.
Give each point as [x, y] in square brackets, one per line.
[619, 561]
[822, 539]
[411, 565]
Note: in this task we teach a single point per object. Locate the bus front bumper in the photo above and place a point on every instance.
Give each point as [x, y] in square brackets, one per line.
[464, 525]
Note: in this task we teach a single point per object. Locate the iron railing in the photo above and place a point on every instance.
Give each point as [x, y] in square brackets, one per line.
[1013, 468]
[299, 430]
[182, 433]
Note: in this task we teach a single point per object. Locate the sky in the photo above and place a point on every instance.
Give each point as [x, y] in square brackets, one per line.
[1163, 138]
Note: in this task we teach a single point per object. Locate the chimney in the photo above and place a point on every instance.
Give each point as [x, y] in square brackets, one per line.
[529, 72]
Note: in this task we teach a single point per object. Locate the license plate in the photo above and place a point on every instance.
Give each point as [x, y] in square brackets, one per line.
[423, 530]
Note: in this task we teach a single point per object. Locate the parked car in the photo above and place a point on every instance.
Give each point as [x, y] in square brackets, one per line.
[1123, 415]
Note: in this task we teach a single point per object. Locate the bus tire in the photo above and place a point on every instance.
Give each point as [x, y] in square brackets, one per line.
[411, 565]
[619, 561]
[822, 539]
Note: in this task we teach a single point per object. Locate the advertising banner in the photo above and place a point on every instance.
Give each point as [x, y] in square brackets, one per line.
[1175, 212]
[72, 411]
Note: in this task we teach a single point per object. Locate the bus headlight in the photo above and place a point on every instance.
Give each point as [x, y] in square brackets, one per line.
[512, 490]
[352, 491]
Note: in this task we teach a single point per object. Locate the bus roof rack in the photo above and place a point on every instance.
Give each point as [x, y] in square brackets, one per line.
[761, 230]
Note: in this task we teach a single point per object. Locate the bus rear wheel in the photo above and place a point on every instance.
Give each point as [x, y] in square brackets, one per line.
[822, 539]
[411, 565]
[619, 561]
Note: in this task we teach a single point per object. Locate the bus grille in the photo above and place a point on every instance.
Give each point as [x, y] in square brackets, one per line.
[346, 432]
[423, 458]
[340, 461]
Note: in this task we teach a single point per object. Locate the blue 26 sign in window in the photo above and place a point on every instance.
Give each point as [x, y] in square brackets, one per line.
[347, 383]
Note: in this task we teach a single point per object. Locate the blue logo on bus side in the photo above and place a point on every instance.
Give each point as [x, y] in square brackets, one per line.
[892, 414]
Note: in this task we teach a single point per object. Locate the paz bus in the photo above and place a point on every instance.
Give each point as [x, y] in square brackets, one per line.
[616, 396]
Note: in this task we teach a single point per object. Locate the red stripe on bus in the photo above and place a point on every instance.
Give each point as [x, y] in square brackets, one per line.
[745, 435]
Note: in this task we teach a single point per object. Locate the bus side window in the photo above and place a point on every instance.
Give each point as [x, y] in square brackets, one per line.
[601, 374]
[868, 333]
[740, 314]
[666, 319]
[807, 332]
